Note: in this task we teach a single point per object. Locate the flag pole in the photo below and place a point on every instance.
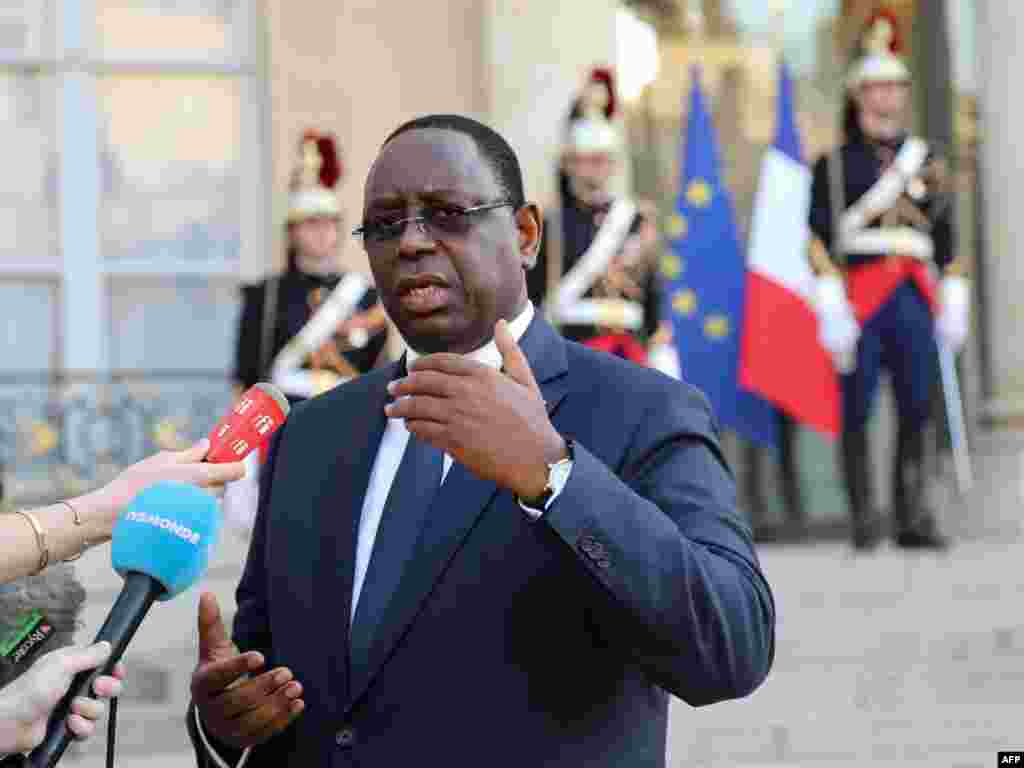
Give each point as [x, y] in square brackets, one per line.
[789, 475]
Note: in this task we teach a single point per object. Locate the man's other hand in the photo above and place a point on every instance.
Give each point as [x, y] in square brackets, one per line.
[235, 708]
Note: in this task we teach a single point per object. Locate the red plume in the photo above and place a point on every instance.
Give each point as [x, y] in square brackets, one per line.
[604, 76]
[330, 171]
[330, 163]
[896, 46]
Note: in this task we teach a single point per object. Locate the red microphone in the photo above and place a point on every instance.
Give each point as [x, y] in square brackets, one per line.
[248, 425]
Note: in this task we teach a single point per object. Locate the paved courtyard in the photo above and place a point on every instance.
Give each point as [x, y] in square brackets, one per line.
[888, 659]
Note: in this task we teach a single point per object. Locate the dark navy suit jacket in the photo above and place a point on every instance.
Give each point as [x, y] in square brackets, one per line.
[509, 642]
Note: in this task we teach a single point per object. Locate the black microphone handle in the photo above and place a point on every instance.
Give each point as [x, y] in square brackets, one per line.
[122, 622]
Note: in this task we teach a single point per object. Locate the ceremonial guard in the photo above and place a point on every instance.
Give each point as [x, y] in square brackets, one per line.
[889, 287]
[597, 272]
[314, 326]
[311, 327]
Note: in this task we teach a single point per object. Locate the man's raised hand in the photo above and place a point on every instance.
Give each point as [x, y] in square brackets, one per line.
[236, 709]
[495, 424]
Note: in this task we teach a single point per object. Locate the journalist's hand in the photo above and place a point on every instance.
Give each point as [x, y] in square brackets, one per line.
[493, 423]
[187, 466]
[236, 709]
[26, 704]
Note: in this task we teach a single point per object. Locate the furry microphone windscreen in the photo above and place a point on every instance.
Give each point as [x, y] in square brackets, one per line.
[55, 593]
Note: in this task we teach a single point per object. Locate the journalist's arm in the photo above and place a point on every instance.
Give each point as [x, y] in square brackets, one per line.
[32, 539]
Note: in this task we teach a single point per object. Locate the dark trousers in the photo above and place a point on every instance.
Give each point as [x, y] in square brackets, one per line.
[899, 338]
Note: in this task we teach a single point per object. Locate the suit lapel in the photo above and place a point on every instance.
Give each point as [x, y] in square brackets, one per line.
[455, 510]
[545, 350]
[358, 429]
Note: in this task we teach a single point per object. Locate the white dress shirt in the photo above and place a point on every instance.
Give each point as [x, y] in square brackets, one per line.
[385, 467]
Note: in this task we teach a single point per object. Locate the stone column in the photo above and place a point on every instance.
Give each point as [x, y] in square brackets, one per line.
[1000, 26]
[360, 69]
[536, 56]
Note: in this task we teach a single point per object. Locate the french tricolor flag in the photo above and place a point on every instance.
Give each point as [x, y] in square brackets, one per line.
[781, 358]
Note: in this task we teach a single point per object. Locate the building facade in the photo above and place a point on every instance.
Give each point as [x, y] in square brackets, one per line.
[149, 150]
[148, 145]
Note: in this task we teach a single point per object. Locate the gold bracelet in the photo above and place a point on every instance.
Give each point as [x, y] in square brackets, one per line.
[78, 522]
[37, 529]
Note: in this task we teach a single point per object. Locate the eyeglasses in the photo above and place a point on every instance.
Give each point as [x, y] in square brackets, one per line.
[436, 222]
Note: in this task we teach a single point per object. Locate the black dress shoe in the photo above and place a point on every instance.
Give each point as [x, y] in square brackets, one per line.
[866, 539]
[922, 539]
[913, 522]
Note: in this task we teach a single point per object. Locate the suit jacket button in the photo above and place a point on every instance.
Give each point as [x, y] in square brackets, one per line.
[346, 737]
[593, 548]
[603, 563]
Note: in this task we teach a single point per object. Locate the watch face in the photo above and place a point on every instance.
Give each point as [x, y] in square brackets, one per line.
[559, 475]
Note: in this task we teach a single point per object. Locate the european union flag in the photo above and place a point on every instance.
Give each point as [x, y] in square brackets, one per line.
[706, 277]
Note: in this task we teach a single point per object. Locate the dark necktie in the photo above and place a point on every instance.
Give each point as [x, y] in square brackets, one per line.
[416, 483]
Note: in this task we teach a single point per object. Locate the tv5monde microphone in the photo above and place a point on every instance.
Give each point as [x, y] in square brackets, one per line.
[259, 412]
[161, 546]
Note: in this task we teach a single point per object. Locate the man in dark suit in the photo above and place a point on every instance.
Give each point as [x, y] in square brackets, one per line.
[504, 550]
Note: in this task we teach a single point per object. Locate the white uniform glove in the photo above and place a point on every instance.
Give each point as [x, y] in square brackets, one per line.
[665, 358]
[838, 329]
[952, 324]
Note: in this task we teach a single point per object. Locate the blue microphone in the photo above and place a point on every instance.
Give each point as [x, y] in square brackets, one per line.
[161, 546]
[166, 533]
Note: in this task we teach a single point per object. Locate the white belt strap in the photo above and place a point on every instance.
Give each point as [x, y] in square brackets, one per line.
[902, 241]
[594, 262]
[305, 383]
[884, 193]
[619, 314]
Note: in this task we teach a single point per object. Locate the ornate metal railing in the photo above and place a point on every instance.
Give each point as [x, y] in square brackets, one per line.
[64, 433]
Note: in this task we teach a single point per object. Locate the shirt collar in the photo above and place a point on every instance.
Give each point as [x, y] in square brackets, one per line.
[488, 354]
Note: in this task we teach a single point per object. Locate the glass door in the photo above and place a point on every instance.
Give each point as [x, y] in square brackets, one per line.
[137, 141]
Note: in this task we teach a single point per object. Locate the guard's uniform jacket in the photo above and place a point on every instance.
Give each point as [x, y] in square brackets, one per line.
[869, 288]
[623, 322]
[294, 307]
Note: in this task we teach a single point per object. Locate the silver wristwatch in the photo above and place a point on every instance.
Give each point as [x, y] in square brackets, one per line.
[558, 476]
